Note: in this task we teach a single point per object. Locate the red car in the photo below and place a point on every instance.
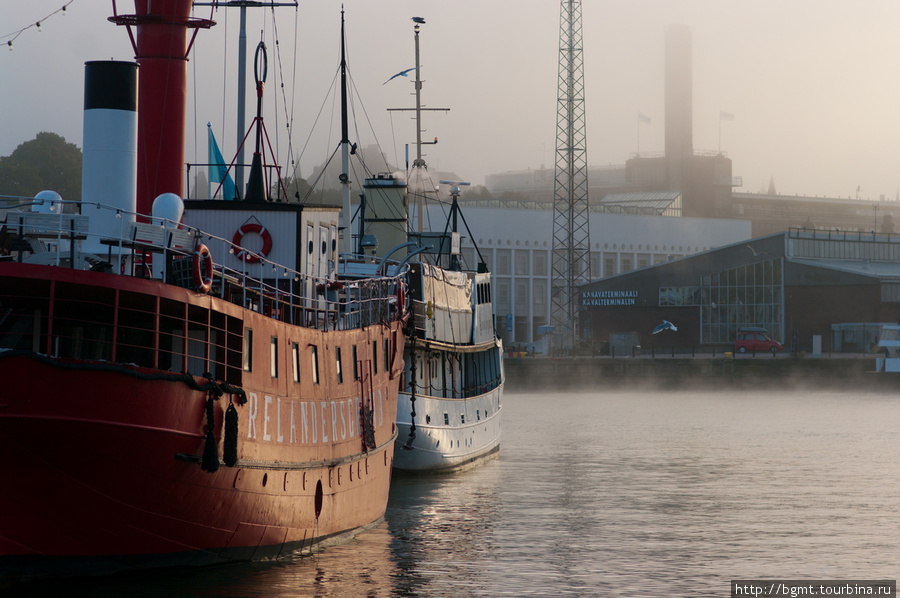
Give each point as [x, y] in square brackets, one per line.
[755, 340]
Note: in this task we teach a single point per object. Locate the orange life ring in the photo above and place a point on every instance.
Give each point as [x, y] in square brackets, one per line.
[401, 299]
[244, 255]
[203, 269]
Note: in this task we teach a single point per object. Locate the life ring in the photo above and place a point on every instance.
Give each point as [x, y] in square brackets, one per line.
[244, 255]
[401, 299]
[203, 269]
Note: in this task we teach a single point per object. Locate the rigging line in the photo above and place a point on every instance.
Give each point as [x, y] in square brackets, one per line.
[318, 116]
[280, 75]
[277, 77]
[194, 52]
[394, 141]
[290, 123]
[368, 121]
[224, 78]
[312, 185]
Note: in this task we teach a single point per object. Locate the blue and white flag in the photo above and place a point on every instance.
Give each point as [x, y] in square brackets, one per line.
[218, 171]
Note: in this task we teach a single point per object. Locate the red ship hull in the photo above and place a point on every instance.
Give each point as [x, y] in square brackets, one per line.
[102, 459]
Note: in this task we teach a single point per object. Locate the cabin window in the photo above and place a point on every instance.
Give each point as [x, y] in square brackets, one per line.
[314, 356]
[375, 356]
[295, 360]
[355, 365]
[478, 415]
[462, 418]
[387, 351]
[446, 419]
[273, 357]
[338, 366]
[248, 349]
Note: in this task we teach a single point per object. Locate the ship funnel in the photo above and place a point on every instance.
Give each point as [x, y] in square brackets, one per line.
[109, 149]
[159, 34]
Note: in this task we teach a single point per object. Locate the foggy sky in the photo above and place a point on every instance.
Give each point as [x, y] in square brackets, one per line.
[814, 85]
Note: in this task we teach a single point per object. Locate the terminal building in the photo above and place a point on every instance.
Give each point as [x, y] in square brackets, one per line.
[799, 285]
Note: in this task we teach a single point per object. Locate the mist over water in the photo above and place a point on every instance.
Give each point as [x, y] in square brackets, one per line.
[617, 494]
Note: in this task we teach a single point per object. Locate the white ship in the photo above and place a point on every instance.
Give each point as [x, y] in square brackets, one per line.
[450, 399]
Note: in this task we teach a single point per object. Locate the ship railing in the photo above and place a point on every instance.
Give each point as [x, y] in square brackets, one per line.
[58, 238]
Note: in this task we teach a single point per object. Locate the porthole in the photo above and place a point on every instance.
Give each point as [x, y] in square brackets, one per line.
[320, 495]
[324, 246]
[310, 246]
[333, 244]
[427, 419]
[265, 479]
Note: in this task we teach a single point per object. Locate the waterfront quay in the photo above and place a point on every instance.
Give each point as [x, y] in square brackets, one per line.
[839, 371]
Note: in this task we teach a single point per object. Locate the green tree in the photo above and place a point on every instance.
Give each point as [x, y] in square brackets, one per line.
[46, 162]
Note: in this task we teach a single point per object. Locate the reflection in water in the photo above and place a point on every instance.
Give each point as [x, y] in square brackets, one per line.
[614, 494]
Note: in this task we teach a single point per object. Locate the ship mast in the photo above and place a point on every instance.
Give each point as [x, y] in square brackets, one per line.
[419, 163]
[347, 244]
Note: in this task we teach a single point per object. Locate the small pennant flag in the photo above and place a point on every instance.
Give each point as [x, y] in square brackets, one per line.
[218, 172]
[643, 119]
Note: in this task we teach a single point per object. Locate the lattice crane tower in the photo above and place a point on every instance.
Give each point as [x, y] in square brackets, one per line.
[571, 238]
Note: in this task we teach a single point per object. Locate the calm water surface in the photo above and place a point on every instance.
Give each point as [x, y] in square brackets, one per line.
[616, 494]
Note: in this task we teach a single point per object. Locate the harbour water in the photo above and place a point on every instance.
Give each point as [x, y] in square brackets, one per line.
[615, 494]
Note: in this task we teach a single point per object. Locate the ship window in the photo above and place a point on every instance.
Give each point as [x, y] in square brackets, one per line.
[355, 365]
[273, 357]
[446, 419]
[295, 359]
[248, 349]
[427, 419]
[477, 415]
[314, 354]
[337, 365]
[462, 418]
[375, 356]
[387, 352]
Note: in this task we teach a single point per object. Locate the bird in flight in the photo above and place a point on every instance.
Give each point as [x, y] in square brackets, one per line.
[400, 74]
[666, 325]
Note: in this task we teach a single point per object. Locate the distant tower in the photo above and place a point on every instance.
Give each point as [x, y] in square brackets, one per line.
[679, 107]
[571, 238]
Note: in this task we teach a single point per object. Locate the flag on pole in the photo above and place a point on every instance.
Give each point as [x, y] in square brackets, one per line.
[725, 115]
[218, 171]
[643, 119]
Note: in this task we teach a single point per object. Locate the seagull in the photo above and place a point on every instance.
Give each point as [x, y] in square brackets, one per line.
[666, 325]
[400, 74]
[755, 252]
[419, 20]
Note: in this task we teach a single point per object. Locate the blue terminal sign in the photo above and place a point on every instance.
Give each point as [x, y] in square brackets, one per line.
[608, 298]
